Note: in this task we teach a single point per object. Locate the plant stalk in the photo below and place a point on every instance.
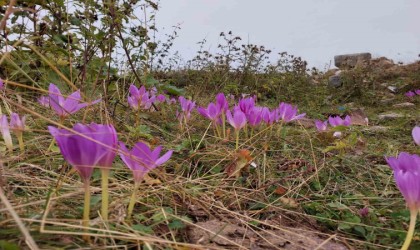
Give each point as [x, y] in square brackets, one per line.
[19, 135]
[410, 232]
[132, 200]
[105, 193]
[237, 138]
[86, 210]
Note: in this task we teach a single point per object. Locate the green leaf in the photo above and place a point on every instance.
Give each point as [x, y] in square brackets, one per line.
[176, 224]
[172, 90]
[4, 245]
[75, 21]
[143, 229]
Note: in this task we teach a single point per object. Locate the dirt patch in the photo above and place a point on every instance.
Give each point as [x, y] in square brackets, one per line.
[219, 234]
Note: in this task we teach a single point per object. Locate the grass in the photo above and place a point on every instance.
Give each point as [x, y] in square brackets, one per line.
[300, 194]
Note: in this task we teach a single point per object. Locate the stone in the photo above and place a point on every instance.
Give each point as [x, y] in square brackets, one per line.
[351, 60]
[335, 80]
[390, 116]
[393, 89]
[376, 129]
[404, 105]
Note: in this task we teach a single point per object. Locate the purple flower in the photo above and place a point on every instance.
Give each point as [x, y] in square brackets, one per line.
[91, 146]
[338, 121]
[288, 112]
[170, 101]
[417, 91]
[1, 84]
[221, 102]
[364, 212]
[410, 94]
[141, 159]
[268, 116]
[238, 120]
[254, 116]
[17, 124]
[140, 98]
[406, 169]
[212, 112]
[66, 106]
[44, 101]
[186, 107]
[416, 135]
[246, 104]
[161, 98]
[5, 132]
[321, 126]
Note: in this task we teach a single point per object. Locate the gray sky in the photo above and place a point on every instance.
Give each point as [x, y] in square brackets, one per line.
[316, 30]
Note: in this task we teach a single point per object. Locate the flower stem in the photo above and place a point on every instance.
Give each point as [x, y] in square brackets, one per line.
[237, 138]
[19, 135]
[86, 209]
[105, 193]
[132, 200]
[410, 232]
[224, 124]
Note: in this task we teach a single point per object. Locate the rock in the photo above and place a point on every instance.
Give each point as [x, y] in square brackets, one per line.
[376, 129]
[404, 105]
[387, 101]
[390, 116]
[334, 81]
[393, 89]
[351, 60]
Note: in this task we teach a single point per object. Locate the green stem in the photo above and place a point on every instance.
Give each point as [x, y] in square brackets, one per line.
[86, 210]
[105, 193]
[132, 200]
[224, 124]
[410, 232]
[20, 139]
[137, 118]
[237, 138]
[217, 129]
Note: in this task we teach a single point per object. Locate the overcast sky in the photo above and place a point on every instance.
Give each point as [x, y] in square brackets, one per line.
[316, 30]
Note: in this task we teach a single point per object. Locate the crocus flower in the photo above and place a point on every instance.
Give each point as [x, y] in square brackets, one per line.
[410, 94]
[288, 112]
[17, 125]
[406, 168]
[221, 102]
[237, 120]
[84, 151]
[5, 132]
[338, 121]
[321, 126]
[212, 112]
[416, 135]
[417, 91]
[254, 116]
[269, 117]
[246, 104]
[139, 98]
[161, 98]
[1, 84]
[44, 101]
[186, 107]
[141, 159]
[66, 106]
